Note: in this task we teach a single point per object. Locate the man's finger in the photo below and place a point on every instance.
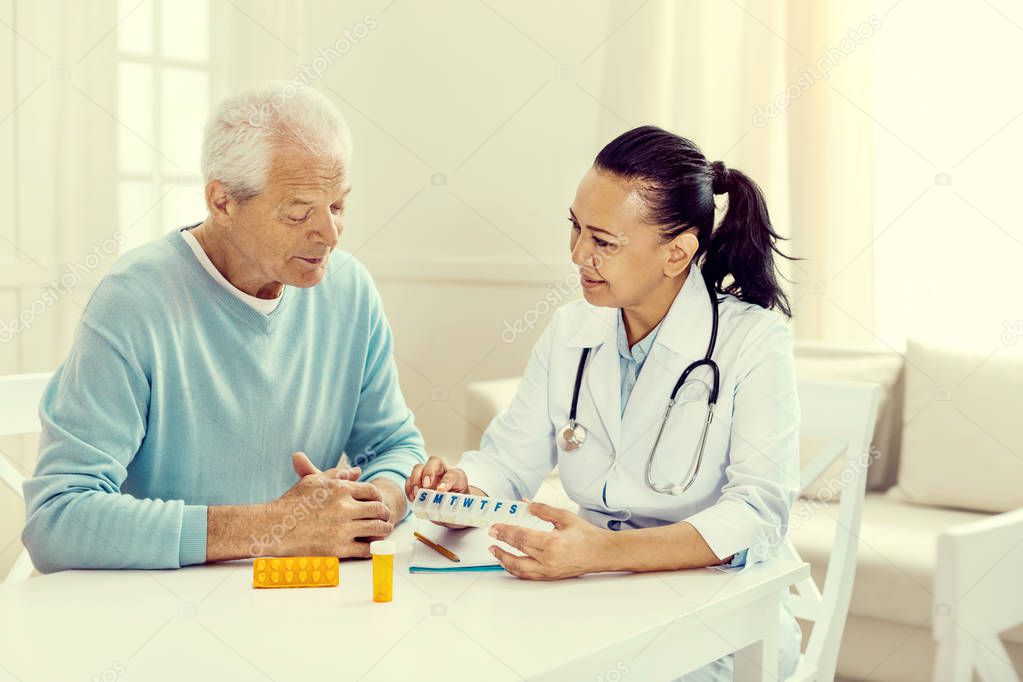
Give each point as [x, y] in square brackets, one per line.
[365, 528]
[372, 510]
[518, 566]
[358, 550]
[364, 491]
[302, 465]
[349, 473]
[532, 542]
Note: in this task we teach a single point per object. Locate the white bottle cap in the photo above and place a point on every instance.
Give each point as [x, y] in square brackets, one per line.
[382, 547]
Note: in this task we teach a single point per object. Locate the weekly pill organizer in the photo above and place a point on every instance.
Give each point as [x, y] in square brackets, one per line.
[471, 545]
[470, 510]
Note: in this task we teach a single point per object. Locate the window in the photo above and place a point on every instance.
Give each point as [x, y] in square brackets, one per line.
[163, 94]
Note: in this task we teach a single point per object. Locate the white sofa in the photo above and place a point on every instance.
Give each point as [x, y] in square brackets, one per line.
[943, 455]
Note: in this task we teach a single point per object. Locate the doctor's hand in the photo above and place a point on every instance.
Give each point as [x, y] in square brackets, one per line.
[435, 475]
[573, 548]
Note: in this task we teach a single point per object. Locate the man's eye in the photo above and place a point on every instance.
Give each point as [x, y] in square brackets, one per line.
[300, 218]
[337, 210]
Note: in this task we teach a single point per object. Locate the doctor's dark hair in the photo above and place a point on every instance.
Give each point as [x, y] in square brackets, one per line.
[678, 184]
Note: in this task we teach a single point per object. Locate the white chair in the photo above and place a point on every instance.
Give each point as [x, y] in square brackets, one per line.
[978, 592]
[840, 415]
[20, 395]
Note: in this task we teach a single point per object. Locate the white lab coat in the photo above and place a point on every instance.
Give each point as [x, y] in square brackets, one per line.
[749, 476]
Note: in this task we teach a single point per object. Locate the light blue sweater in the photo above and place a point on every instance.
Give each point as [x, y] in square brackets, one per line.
[176, 395]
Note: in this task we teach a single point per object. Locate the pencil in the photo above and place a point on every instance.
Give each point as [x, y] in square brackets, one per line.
[434, 546]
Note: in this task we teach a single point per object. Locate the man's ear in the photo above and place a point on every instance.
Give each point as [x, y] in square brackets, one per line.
[681, 251]
[219, 203]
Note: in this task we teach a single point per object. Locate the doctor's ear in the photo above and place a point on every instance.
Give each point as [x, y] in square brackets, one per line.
[681, 251]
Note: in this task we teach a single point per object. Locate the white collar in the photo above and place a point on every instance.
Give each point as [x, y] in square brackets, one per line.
[262, 305]
[685, 329]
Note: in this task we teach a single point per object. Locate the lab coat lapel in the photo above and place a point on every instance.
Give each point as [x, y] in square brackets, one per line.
[597, 330]
[603, 378]
[682, 339]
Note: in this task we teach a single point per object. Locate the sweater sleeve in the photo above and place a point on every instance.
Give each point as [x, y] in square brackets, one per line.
[93, 415]
[384, 440]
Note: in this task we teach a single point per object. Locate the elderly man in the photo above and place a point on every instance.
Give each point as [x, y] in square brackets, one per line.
[207, 357]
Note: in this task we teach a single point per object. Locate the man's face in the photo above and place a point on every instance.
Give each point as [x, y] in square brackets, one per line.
[287, 233]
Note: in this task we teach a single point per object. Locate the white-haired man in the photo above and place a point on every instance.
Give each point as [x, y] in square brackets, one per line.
[207, 357]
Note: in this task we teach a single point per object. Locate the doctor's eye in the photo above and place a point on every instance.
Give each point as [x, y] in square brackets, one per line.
[601, 243]
[575, 225]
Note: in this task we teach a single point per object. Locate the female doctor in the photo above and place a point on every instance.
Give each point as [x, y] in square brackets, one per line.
[673, 308]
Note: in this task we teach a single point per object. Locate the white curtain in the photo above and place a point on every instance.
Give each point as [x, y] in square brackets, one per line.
[745, 81]
[61, 169]
[256, 41]
[57, 192]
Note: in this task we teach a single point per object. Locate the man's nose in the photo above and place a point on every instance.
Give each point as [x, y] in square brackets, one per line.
[329, 230]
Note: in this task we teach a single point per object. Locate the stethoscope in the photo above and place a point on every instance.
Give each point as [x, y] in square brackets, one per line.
[573, 435]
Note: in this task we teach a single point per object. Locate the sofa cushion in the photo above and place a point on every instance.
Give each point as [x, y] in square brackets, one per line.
[885, 369]
[897, 554]
[962, 445]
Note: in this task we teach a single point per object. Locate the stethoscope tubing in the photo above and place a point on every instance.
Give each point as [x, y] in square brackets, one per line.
[706, 361]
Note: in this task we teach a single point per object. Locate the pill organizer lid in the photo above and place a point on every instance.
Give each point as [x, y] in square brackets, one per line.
[382, 547]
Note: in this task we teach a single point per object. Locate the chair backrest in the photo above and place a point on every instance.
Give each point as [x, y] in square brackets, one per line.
[20, 395]
[978, 592]
[841, 416]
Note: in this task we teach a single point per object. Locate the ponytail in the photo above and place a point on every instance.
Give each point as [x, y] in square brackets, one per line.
[743, 245]
[678, 185]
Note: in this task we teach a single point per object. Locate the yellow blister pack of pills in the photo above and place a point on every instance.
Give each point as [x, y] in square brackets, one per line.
[296, 571]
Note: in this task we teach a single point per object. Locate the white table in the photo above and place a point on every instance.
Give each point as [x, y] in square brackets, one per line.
[208, 623]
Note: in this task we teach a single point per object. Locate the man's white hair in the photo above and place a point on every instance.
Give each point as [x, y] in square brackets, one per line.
[243, 130]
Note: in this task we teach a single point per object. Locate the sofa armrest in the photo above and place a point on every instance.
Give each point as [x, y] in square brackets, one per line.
[486, 400]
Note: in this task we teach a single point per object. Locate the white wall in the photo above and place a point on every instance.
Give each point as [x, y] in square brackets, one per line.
[470, 138]
[949, 237]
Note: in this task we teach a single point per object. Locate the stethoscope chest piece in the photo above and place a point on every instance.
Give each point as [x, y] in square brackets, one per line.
[572, 436]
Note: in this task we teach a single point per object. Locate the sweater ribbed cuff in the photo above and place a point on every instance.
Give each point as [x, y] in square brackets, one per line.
[192, 549]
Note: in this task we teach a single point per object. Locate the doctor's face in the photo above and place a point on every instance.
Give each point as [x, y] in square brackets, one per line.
[622, 259]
